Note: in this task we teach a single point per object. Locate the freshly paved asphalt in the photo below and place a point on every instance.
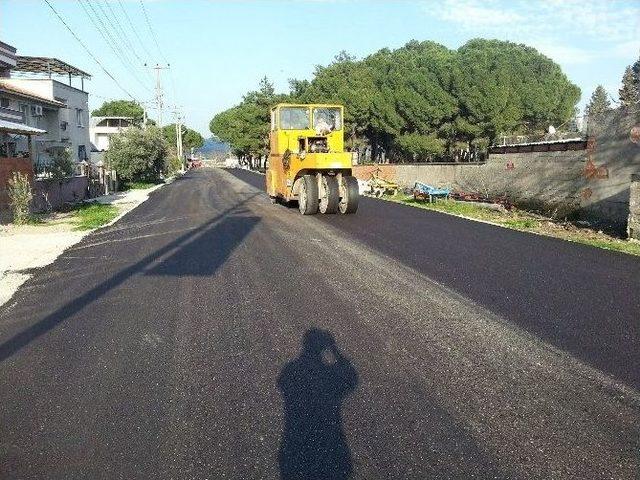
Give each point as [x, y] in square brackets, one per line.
[210, 334]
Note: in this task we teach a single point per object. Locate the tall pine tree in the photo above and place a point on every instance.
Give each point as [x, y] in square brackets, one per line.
[628, 93]
[599, 103]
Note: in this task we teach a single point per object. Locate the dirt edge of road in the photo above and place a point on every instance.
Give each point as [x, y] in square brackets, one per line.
[36, 248]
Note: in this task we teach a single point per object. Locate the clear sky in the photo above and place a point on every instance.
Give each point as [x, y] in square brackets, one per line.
[218, 50]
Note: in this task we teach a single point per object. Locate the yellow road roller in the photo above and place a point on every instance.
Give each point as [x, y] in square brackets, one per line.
[307, 161]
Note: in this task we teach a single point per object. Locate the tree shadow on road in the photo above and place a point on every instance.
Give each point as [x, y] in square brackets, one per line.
[63, 313]
[313, 387]
[203, 255]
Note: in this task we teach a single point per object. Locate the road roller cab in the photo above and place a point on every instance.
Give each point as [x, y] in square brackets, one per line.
[307, 161]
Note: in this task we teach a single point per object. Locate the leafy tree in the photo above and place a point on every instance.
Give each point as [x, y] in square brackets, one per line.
[505, 87]
[120, 108]
[138, 154]
[246, 126]
[419, 147]
[420, 100]
[629, 93]
[297, 88]
[190, 138]
[599, 103]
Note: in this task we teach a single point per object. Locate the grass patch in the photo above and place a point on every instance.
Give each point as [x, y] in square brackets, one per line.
[88, 216]
[453, 207]
[631, 248]
[36, 219]
[525, 221]
[139, 185]
[521, 223]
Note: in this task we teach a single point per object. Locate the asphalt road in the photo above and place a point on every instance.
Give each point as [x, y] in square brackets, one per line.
[210, 334]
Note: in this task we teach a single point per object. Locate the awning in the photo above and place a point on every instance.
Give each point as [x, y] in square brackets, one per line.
[20, 128]
[47, 65]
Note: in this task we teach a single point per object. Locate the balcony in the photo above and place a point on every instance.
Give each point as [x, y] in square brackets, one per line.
[10, 115]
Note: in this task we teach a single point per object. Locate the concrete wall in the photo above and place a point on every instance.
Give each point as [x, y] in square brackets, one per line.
[592, 183]
[58, 193]
[633, 227]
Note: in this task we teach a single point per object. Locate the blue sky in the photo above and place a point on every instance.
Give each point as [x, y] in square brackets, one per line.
[218, 50]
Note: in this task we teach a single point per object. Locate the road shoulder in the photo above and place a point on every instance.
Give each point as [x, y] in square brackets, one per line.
[28, 247]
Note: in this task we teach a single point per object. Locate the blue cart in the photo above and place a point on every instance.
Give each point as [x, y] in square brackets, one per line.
[422, 191]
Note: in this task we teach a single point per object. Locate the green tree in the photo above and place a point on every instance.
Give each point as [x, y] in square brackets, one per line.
[138, 155]
[120, 108]
[246, 126]
[417, 147]
[635, 68]
[505, 88]
[599, 103]
[629, 94]
[420, 100]
[190, 138]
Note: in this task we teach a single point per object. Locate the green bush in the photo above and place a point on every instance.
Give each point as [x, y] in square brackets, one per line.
[62, 166]
[20, 196]
[174, 165]
[138, 155]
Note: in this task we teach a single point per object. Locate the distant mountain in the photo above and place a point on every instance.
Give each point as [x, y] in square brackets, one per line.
[213, 146]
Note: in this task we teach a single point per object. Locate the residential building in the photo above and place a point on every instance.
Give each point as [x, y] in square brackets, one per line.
[48, 104]
[102, 128]
[16, 138]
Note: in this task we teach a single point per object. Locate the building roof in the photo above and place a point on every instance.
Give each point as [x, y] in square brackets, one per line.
[12, 127]
[94, 121]
[11, 88]
[47, 65]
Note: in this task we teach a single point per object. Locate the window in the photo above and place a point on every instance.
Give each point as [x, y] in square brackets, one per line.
[4, 102]
[326, 120]
[82, 152]
[79, 117]
[294, 118]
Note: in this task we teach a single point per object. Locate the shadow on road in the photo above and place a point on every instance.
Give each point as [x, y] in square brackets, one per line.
[313, 387]
[19, 340]
[203, 255]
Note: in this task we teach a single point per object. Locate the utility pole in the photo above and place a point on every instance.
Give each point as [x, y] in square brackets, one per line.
[178, 117]
[159, 93]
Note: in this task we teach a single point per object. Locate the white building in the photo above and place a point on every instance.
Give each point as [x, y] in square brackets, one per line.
[103, 128]
[48, 104]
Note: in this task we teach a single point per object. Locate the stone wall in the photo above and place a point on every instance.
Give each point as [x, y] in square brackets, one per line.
[591, 184]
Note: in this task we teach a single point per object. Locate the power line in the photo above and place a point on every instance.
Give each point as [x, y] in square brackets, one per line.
[135, 31]
[155, 39]
[153, 33]
[111, 43]
[88, 51]
[125, 37]
[115, 35]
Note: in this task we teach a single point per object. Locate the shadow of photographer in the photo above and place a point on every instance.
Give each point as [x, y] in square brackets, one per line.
[313, 387]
